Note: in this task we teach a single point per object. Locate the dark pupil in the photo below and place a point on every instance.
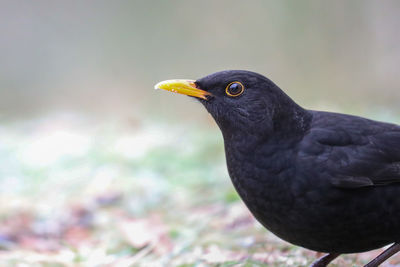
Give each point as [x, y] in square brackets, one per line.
[235, 88]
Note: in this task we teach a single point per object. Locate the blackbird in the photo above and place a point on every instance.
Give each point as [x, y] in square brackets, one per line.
[324, 181]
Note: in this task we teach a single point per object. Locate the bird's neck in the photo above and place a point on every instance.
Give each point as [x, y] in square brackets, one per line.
[286, 122]
[291, 121]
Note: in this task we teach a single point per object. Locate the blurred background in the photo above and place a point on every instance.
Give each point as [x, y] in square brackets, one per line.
[99, 168]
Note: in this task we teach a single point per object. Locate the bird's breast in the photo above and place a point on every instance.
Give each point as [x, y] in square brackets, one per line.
[262, 177]
[302, 207]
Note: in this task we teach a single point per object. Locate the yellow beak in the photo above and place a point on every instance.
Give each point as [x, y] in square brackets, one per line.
[185, 87]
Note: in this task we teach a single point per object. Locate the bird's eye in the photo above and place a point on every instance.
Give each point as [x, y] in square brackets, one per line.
[234, 89]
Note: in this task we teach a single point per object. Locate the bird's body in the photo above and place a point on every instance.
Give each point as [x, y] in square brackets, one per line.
[325, 181]
[304, 187]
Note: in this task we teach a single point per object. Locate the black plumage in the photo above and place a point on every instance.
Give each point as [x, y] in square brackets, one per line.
[325, 181]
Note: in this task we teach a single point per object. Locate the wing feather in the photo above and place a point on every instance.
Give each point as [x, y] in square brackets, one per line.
[354, 152]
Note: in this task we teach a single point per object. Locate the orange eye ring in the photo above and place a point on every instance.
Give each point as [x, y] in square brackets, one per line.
[234, 92]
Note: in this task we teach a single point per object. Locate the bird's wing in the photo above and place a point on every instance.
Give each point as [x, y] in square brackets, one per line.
[354, 152]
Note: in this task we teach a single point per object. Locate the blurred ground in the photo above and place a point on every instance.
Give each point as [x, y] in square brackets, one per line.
[76, 192]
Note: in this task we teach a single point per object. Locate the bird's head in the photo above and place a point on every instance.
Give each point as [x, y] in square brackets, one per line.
[238, 100]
